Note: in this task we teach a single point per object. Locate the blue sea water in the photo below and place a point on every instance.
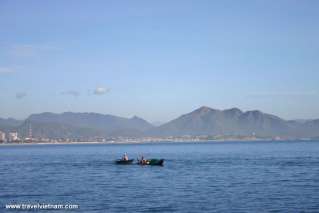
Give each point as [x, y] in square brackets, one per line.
[202, 177]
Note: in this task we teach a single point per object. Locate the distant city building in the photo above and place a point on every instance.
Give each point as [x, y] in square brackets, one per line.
[13, 136]
[2, 136]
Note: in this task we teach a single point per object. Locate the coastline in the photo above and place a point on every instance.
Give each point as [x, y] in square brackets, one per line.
[153, 142]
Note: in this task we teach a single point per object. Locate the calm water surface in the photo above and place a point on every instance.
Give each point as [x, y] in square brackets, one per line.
[205, 177]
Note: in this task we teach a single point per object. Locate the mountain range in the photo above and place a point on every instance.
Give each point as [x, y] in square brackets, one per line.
[202, 121]
[208, 121]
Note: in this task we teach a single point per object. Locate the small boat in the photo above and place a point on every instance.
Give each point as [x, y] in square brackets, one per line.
[124, 162]
[152, 162]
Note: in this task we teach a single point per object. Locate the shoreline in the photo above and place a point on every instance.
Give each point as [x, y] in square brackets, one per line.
[152, 142]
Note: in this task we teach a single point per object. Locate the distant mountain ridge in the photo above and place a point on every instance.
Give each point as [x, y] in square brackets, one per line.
[77, 125]
[202, 121]
[9, 123]
[208, 121]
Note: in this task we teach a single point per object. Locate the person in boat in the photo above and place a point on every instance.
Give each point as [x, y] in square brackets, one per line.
[125, 157]
[143, 161]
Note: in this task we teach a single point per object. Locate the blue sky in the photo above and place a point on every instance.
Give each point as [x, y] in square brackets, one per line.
[159, 59]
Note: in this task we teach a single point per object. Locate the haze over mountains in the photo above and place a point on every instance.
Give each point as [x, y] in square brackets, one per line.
[9, 123]
[77, 125]
[202, 121]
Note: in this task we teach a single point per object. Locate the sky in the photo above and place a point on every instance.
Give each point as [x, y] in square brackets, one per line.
[159, 59]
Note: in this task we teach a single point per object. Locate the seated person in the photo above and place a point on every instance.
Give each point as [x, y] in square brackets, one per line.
[143, 161]
[125, 157]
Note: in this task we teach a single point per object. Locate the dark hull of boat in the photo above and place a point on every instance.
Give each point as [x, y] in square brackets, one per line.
[124, 162]
[152, 162]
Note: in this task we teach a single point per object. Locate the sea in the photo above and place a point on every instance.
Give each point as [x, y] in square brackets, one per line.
[196, 177]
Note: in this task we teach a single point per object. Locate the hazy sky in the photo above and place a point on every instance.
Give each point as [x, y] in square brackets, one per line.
[159, 59]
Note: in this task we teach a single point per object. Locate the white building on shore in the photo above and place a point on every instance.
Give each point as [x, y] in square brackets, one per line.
[2, 137]
[13, 136]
